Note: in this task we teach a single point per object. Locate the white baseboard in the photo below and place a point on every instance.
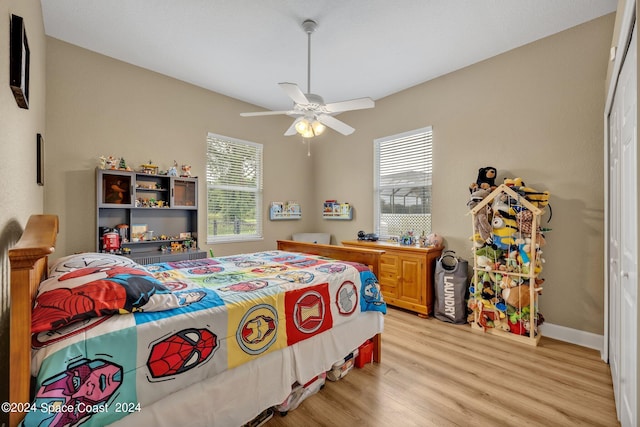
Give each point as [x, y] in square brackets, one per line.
[573, 336]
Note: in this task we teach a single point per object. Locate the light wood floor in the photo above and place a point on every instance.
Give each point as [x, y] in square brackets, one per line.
[437, 374]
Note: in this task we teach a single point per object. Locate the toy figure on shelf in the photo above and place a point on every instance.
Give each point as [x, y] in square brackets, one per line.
[173, 170]
[186, 171]
[111, 163]
[149, 168]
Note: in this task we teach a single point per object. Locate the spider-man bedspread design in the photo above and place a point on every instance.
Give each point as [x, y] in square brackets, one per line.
[111, 336]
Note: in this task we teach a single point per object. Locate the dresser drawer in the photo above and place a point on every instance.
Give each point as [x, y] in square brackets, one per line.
[389, 262]
[388, 278]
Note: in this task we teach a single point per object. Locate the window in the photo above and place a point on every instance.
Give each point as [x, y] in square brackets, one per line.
[402, 169]
[234, 189]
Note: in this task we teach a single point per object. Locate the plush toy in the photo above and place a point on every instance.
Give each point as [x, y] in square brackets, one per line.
[517, 297]
[502, 324]
[490, 252]
[504, 231]
[486, 179]
[539, 199]
[434, 240]
[510, 182]
[485, 262]
[489, 316]
[186, 171]
[482, 225]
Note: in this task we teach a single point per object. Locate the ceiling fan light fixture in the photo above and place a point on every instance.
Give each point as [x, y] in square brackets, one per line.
[309, 127]
[313, 116]
[317, 127]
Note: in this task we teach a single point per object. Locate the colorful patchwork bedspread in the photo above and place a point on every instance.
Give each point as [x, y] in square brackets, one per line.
[111, 336]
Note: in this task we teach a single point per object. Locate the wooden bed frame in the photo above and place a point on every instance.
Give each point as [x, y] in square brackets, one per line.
[29, 259]
[29, 263]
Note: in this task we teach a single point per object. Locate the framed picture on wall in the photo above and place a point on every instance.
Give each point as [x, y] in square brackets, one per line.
[40, 160]
[19, 62]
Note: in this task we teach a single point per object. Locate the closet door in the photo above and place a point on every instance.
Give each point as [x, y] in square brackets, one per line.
[629, 242]
[614, 247]
[623, 242]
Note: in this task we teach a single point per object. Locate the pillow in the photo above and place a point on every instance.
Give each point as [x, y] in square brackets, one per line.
[89, 259]
[88, 292]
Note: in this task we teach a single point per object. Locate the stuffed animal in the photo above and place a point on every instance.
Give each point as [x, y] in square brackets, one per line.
[486, 179]
[525, 221]
[518, 296]
[510, 182]
[434, 240]
[482, 225]
[537, 198]
[504, 231]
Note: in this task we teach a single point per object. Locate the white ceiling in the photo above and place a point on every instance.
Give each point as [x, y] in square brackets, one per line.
[244, 48]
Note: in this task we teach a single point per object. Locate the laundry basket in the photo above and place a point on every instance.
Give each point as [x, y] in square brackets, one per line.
[450, 288]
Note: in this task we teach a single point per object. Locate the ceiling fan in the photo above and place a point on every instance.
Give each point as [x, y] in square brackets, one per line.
[310, 110]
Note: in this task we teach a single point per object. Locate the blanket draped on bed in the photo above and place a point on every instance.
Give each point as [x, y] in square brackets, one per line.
[98, 357]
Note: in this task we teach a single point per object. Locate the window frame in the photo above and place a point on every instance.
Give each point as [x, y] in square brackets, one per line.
[428, 178]
[257, 189]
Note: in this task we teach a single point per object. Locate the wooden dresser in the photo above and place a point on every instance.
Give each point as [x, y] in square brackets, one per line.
[405, 274]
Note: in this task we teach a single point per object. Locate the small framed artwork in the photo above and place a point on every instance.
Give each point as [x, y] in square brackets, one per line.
[40, 160]
[116, 189]
[19, 57]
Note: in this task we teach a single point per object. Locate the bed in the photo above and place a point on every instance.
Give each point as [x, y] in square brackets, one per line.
[199, 342]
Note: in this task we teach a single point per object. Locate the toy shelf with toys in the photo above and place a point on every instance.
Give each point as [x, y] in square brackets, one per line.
[155, 214]
[507, 237]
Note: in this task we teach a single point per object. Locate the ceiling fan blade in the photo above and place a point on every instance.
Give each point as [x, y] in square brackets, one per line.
[335, 124]
[266, 113]
[353, 104]
[293, 91]
[292, 129]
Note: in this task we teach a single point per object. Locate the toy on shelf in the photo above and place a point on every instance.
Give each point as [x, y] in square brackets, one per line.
[288, 210]
[173, 170]
[332, 209]
[149, 168]
[507, 253]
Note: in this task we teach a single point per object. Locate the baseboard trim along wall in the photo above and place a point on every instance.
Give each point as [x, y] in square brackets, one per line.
[573, 336]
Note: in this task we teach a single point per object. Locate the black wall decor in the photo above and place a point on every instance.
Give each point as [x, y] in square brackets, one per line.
[19, 62]
[40, 159]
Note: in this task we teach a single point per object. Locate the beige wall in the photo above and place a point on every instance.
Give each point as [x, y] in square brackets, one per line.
[99, 106]
[535, 112]
[20, 196]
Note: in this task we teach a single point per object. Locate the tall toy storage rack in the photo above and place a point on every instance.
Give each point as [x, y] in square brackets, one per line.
[505, 285]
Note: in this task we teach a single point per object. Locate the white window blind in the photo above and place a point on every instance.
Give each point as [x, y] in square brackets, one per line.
[403, 166]
[234, 189]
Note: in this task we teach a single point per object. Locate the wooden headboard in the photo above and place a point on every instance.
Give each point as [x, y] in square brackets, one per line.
[370, 257]
[28, 259]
